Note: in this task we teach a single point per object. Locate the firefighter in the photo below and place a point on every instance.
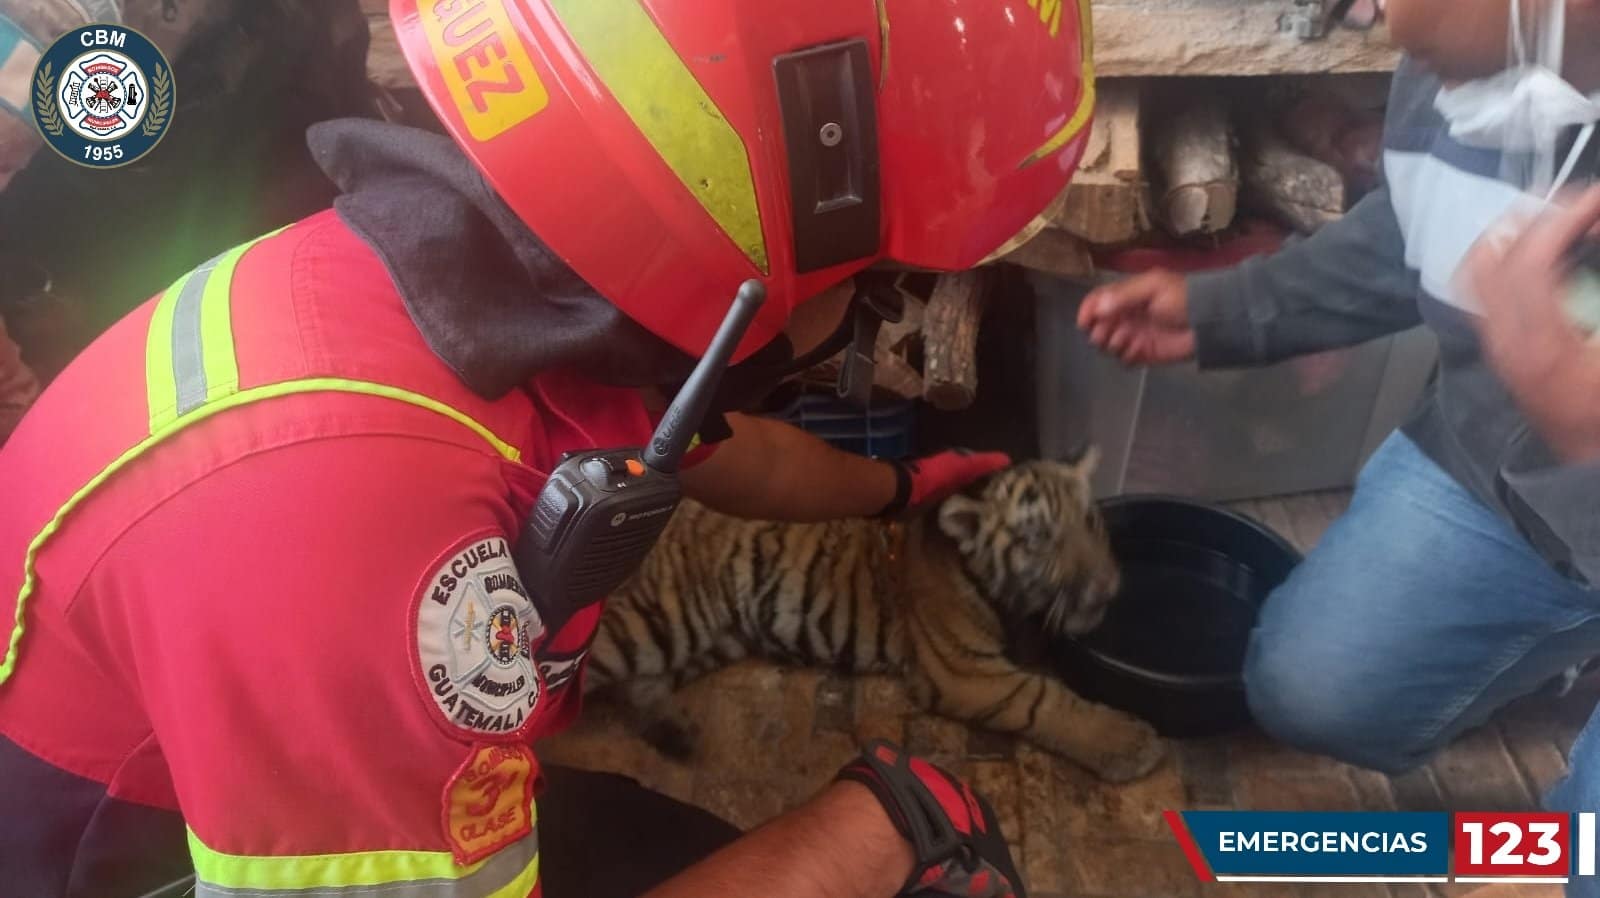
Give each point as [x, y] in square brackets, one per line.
[260, 533]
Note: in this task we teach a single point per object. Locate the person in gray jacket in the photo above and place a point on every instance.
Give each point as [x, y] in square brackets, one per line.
[1465, 573]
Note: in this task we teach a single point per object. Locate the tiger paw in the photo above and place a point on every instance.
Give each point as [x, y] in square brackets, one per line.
[1127, 750]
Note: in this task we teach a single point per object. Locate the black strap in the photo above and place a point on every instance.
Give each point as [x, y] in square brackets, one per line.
[876, 301]
[902, 488]
[916, 814]
[860, 368]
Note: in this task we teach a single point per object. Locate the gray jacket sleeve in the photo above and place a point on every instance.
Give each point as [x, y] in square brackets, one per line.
[1345, 284]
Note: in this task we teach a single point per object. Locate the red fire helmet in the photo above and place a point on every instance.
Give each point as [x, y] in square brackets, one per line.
[669, 150]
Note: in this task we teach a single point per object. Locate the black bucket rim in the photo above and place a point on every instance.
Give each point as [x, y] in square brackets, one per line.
[1216, 508]
[1193, 683]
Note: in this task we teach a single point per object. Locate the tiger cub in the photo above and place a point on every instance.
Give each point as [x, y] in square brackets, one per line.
[931, 603]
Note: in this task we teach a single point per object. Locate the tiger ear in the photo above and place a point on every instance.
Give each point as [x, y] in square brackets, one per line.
[1086, 465]
[959, 518]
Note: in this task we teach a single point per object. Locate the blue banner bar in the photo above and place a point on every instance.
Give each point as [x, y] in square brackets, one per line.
[1282, 843]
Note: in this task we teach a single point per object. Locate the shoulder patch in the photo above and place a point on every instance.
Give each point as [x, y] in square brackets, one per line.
[475, 632]
[488, 802]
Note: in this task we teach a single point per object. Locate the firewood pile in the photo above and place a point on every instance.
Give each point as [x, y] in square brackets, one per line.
[1190, 162]
[931, 352]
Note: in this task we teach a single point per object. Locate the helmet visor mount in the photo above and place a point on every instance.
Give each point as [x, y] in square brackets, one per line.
[830, 130]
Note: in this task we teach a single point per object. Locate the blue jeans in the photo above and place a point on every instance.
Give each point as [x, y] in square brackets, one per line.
[1418, 615]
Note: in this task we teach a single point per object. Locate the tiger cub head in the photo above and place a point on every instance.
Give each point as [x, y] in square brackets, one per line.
[1033, 543]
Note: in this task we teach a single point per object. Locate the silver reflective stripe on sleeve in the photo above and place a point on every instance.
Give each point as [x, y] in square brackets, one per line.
[188, 350]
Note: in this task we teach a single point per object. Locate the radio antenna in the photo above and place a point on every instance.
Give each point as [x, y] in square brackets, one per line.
[683, 417]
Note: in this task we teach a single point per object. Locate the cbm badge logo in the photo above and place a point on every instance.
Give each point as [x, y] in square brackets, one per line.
[103, 95]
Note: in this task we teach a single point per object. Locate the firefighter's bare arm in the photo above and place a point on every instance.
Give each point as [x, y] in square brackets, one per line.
[771, 470]
[839, 845]
[890, 822]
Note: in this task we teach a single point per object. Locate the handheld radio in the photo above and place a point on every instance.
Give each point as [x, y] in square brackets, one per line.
[602, 511]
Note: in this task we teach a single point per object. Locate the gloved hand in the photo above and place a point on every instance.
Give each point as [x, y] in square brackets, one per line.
[925, 481]
[953, 832]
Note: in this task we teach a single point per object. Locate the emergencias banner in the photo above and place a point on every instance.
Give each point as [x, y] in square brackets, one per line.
[1276, 846]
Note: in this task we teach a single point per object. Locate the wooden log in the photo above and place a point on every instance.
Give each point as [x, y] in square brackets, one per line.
[950, 340]
[1192, 150]
[1281, 182]
[1056, 252]
[1108, 201]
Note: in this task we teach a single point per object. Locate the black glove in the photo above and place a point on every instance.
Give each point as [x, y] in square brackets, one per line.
[953, 832]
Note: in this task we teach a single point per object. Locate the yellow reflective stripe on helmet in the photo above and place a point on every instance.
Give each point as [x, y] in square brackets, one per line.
[1086, 98]
[673, 111]
[176, 424]
[511, 872]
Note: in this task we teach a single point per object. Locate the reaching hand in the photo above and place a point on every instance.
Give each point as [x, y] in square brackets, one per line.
[953, 832]
[1143, 320]
[926, 481]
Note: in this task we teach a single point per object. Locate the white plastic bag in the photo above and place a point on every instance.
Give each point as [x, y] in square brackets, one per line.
[1523, 112]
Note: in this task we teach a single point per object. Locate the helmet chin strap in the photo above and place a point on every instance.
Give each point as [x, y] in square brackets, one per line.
[876, 301]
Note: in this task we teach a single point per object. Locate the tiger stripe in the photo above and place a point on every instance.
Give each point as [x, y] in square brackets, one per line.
[846, 595]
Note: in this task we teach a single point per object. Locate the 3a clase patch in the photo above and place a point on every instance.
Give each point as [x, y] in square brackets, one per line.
[488, 803]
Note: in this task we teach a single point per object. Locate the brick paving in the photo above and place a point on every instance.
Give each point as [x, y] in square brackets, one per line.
[771, 736]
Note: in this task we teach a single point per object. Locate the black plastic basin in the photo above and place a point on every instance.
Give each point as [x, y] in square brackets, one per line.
[1171, 649]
